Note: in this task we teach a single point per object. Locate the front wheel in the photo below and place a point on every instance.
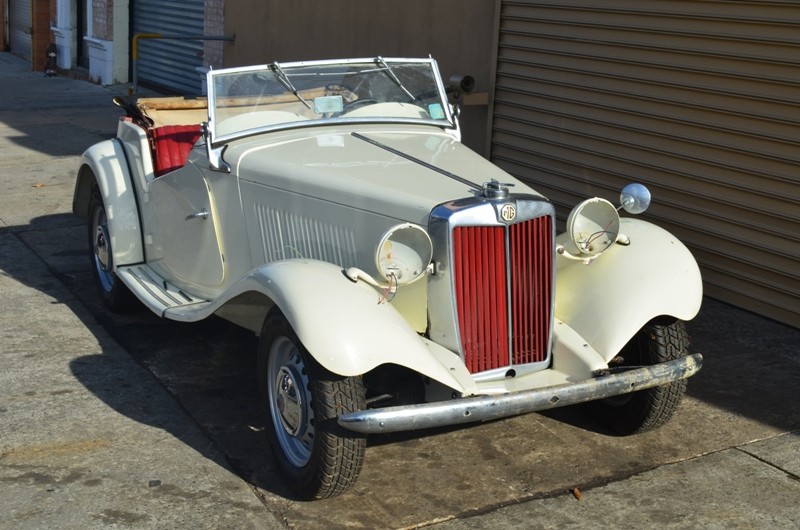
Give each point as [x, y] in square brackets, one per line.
[658, 341]
[302, 401]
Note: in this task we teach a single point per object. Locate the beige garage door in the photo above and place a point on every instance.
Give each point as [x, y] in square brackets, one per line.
[698, 100]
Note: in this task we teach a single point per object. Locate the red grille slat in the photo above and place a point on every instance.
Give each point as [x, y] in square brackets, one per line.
[532, 266]
[478, 255]
[485, 292]
[500, 306]
[480, 280]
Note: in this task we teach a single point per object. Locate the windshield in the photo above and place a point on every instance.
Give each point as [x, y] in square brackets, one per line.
[244, 101]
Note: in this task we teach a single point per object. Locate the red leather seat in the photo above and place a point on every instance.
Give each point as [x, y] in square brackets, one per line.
[171, 146]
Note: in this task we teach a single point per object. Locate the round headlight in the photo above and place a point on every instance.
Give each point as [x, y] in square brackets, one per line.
[593, 226]
[403, 253]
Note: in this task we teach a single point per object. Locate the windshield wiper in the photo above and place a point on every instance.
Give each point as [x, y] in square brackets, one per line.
[284, 80]
[390, 72]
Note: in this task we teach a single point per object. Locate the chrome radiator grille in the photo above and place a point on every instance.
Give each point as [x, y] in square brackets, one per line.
[503, 278]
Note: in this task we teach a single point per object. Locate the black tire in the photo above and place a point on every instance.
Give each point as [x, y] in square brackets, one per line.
[301, 401]
[658, 341]
[115, 295]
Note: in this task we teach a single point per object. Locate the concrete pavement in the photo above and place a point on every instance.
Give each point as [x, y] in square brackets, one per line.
[80, 441]
[751, 486]
[131, 421]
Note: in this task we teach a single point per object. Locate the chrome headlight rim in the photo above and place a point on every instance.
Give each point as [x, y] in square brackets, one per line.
[403, 253]
[593, 227]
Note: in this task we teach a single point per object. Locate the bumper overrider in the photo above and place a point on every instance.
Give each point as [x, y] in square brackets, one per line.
[482, 408]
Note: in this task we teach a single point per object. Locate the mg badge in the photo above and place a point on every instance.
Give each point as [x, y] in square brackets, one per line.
[508, 212]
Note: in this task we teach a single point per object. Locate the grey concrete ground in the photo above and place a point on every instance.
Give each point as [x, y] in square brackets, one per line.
[111, 421]
[82, 442]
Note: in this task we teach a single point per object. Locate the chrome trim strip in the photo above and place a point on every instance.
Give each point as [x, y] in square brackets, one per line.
[483, 408]
[221, 141]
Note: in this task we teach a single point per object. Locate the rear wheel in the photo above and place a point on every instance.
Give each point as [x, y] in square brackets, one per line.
[658, 341]
[115, 294]
[302, 401]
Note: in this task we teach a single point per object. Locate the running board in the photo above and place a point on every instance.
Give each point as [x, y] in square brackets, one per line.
[155, 292]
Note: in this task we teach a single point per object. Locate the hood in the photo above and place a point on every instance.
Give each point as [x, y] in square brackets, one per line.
[399, 173]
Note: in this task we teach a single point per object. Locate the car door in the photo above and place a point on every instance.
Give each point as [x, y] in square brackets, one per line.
[184, 239]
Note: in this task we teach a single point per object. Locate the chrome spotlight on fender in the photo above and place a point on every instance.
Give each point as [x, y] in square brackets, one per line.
[403, 253]
[593, 225]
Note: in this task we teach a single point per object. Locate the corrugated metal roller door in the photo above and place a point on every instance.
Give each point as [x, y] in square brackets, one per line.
[19, 27]
[700, 100]
[170, 64]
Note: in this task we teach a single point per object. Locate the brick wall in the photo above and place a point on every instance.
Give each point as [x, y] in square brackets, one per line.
[40, 35]
[103, 23]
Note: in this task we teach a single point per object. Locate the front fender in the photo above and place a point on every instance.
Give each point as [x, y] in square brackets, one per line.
[106, 163]
[610, 299]
[346, 327]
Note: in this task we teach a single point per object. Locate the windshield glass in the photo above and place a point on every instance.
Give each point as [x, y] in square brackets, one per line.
[243, 101]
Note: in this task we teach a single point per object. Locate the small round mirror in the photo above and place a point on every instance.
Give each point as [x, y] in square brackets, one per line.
[635, 198]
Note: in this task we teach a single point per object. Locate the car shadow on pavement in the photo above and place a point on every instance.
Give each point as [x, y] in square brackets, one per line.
[751, 368]
[208, 368]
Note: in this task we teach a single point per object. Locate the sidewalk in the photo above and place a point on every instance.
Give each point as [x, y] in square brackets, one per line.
[112, 422]
[67, 458]
[752, 486]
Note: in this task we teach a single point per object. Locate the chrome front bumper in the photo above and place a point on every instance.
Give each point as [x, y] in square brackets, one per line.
[482, 408]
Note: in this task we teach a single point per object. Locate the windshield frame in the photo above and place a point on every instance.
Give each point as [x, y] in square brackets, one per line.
[218, 138]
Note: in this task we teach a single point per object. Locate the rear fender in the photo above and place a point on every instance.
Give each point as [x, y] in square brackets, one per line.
[107, 164]
[609, 300]
[346, 327]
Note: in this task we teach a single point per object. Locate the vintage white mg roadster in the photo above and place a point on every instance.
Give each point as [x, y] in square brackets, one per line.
[397, 279]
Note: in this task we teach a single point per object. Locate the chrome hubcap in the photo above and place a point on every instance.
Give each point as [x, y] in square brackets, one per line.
[289, 401]
[101, 247]
[101, 244]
